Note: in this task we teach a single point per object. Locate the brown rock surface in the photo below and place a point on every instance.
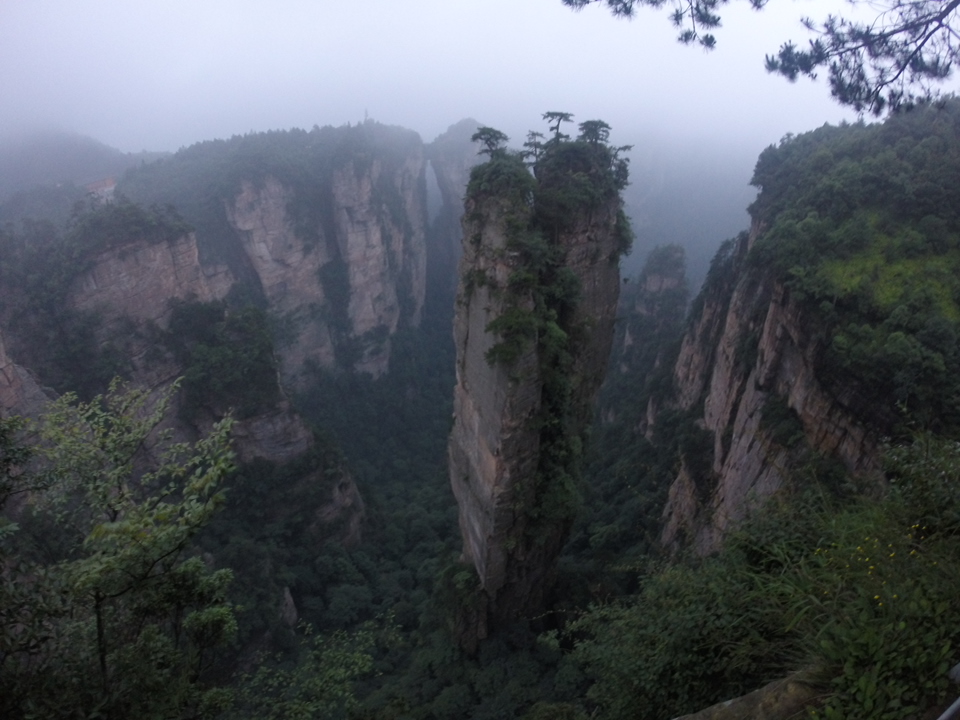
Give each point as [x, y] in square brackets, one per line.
[786, 699]
[130, 287]
[512, 532]
[288, 271]
[752, 311]
[384, 258]
[136, 280]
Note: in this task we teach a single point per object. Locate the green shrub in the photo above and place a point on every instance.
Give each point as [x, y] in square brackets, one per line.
[864, 592]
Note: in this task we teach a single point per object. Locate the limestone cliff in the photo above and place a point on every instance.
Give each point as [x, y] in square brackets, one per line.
[533, 327]
[131, 288]
[451, 156]
[326, 227]
[751, 352]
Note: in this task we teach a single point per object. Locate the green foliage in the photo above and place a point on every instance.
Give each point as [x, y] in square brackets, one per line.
[320, 684]
[492, 140]
[226, 355]
[103, 613]
[862, 227]
[626, 472]
[42, 203]
[781, 422]
[889, 61]
[692, 637]
[503, 176]
[67, 347]
[570, 179]
[270, 535]
[863, 591]
[574, 177]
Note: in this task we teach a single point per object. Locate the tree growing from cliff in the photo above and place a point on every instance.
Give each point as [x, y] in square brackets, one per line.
[493, 140]
[594, 132]
[893, 59]
[557, 119]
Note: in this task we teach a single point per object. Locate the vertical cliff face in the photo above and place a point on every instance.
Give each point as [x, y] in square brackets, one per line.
[842, 318]
[533, 327]
[749, 376]
[287, 270]
[328, 227]
[451, 156]
[380, 236]
[358, 282]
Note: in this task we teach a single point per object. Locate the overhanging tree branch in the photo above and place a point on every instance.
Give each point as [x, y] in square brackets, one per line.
[895, 59]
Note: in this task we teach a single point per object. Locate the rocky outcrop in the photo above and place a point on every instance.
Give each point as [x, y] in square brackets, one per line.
[384, 250]
[378, 255]
[20, 393]
[647, 326]
[750, 347]
[327, 228]
[494, 443]
[523, 397]
[792, 697]
[130, 288]
[137, 280]
[287, 269]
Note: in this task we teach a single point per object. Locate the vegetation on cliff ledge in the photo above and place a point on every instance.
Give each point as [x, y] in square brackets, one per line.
[39, 266]
[862, 224]
[553, 187]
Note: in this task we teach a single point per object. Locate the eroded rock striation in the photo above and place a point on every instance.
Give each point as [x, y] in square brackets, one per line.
[451, 157]
[749, 357]
[539, 281]
[327, 228]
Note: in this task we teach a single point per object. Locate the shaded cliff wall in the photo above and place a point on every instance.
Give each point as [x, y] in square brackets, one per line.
[750, 347]
[533, 328]
[123, 288]
[130, 288]
[326, 228]
[451, 155]
[20, 392]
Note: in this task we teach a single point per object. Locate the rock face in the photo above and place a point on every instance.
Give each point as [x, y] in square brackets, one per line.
[518, 418]
[130, 287]
[384, 251]
[382, 260]
[20, 393]
[748, 347]
[136, 280]
[451, 156]
[327, 228]
[791, 697]
[286, 267]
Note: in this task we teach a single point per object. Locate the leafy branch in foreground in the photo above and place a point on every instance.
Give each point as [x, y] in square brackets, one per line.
[895, 58]
[102, 613]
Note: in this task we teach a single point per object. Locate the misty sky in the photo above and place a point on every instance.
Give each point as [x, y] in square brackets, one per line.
[162, 74]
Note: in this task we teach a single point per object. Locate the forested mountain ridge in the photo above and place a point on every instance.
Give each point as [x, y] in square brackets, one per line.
[830, 325]
[265, 287]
